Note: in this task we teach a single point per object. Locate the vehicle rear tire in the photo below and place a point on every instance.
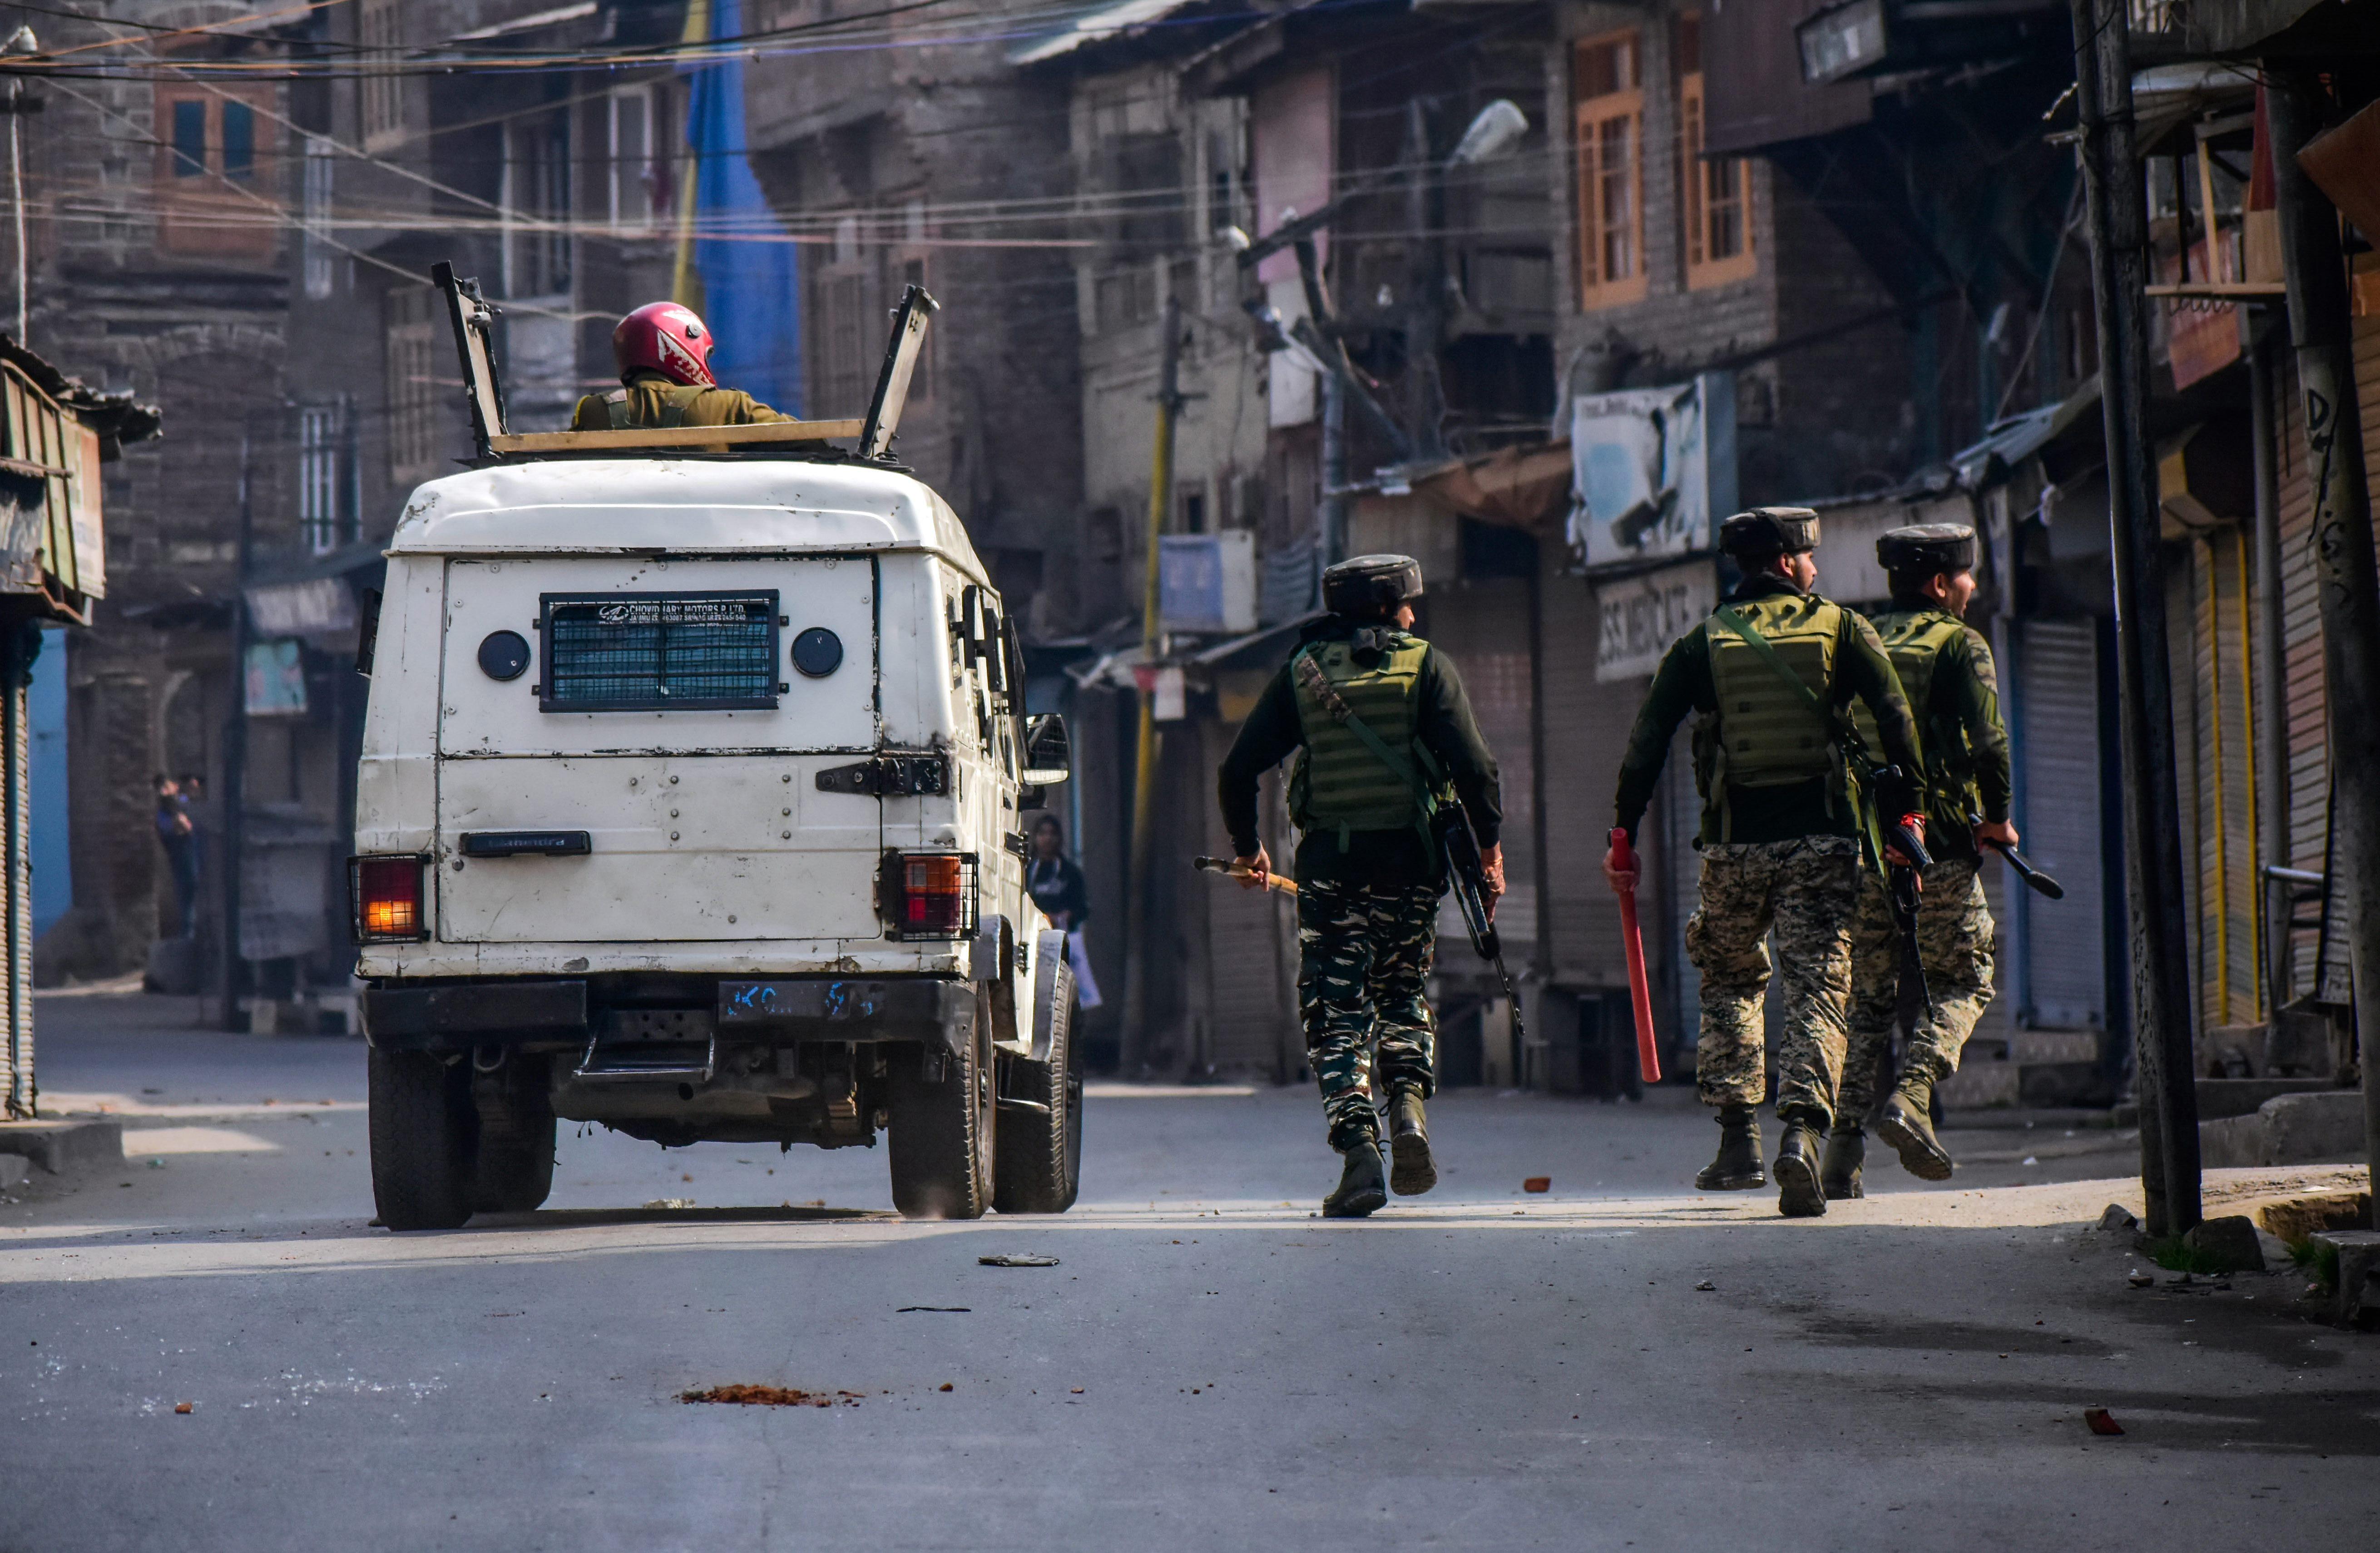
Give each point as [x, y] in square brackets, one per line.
[423, 1131]
[1040, 1143]
[942, 1129]
[514, 1169]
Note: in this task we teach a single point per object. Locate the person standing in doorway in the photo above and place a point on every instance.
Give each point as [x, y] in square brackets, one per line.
[1057, 886]
[178, 832]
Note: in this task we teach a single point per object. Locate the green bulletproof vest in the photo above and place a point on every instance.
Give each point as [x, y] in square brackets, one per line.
[1766, 735]
[1913, 640]
[676, 400]
[1338, 782]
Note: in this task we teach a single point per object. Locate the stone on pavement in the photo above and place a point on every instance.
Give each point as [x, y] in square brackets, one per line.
[2229, 1243]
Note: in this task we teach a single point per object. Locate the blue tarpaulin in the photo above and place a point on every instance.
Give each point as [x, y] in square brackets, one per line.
[748, 276]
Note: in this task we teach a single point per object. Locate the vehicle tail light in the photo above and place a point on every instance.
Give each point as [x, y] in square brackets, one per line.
[384, 898]
[933, 895]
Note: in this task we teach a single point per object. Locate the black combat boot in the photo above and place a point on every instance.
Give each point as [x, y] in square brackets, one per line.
[1839, 1176]
[1361, 1190]
[1798, 1194]
[1737, 1169]
[1414, 1171]
[1907, 1124]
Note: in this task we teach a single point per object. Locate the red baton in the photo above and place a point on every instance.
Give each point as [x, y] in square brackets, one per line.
[1640, 991]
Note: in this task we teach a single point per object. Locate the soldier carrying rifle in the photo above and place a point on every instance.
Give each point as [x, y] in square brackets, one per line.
[1945, 669]
[1382, 731]
[1786, 829]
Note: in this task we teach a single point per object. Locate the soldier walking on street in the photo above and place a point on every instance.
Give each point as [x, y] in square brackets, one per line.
[1784, 812]
[1383, 733]
[1946, 670]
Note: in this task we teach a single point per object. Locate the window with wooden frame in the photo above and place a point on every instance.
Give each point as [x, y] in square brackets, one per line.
[380, 29]
[210, 159]
[1716, 192]
[842, 321]
[1608, 122]
[643, 181]
[415, 317]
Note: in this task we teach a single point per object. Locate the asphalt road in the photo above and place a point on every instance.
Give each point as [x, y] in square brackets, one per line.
[1207, 1367]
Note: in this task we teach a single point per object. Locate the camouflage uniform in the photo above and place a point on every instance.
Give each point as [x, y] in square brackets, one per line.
[1803, 890]
[1364, 959]
[1954, 944]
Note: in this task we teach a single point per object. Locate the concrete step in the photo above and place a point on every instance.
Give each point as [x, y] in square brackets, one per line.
[2219, 1097]
[58, 1147]
[2287, 1129]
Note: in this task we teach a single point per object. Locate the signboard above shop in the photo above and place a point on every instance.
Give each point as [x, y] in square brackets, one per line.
[1637, 618]
[1653, 471]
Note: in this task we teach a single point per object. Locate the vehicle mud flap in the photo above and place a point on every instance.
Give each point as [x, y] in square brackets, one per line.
[1040, 1142]
[944, 1115]
[424, 1136]
[513, 1169]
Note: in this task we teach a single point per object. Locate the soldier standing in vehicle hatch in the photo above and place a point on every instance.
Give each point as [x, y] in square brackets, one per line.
[1946, 670]
[1771, 673]
[1369, 874]
[663, 351]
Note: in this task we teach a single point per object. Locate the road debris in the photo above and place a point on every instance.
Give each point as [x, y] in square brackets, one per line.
[185, 1407]
[2117, 1219]
[1706, 1287]
[772, 1396]
[1017, 1259]
[2101, 1421]
[948, 1310]
[1538, 1184]
[2139, 1279]
[944, 1386]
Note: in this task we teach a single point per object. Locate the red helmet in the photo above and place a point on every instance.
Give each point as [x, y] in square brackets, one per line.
[665, 338]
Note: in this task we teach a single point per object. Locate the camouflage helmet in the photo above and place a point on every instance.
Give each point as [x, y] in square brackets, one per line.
[1766, 531]
[1364, 584]
[1928, 548]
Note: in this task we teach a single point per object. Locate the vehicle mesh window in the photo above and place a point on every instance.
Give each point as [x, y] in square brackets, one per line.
[659, 652]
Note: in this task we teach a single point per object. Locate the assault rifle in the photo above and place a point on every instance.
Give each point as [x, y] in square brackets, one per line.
[1907, 883]
[1466, 875]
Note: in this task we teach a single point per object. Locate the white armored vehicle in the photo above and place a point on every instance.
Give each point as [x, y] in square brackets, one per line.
[690, 806]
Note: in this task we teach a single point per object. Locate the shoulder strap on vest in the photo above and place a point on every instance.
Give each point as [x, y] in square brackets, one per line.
[678, 401]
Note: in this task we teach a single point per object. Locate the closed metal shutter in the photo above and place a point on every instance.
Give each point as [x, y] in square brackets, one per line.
[1586, 733]
[2058, 754]
[1247, 1003]
[1483, 628]
[2308, 707]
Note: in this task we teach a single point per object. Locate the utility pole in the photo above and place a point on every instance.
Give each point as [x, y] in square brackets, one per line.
[20, 41]
[1134, 1051]
[2347, 578]
[2115, 202]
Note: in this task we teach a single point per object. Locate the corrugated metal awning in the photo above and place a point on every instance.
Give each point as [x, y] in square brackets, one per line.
[1094, 26]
